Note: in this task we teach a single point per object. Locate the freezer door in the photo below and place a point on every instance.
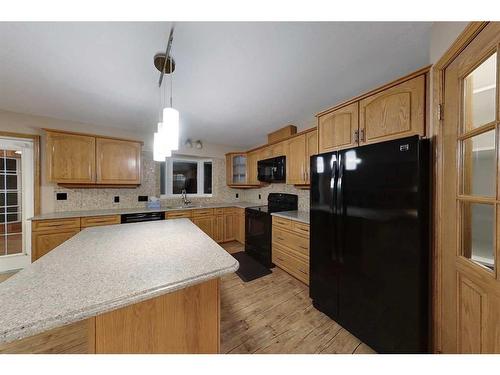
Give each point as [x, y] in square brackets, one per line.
[323, 252]
[384, 254]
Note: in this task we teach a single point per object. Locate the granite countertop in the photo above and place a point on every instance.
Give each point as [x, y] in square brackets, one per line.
[120, 211]
[302, 216]
[104, 268]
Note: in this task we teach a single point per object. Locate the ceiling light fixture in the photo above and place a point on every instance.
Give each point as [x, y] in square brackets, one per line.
[166, 139]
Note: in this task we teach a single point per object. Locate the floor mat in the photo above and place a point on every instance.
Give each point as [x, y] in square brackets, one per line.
[249, 269]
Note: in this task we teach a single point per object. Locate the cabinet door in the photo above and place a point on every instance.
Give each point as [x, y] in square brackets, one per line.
[118, 162]
[70, 158]
[295, 160]
[311, 149]
[42, 243]
[241, 226]
[338, 129]
[218, 233]
[266, 153]
[278, 149]
[230, 226]
[393, 113]
[236, 169]
[252, 159]
[206, 224]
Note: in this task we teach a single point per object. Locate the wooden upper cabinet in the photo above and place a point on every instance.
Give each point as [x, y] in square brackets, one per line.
[338, 129]
[296, 160]
[118, 162]
[396, 112]
[252, 159]
[70, 158]
[278, 149]
[311, 149]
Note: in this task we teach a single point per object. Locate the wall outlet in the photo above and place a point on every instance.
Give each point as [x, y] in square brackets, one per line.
[260, 197]
[116, 199]
[142, 198]
[237, 195]
[61, 196]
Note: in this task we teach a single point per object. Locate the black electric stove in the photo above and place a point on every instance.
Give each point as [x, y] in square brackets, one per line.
[258, 225]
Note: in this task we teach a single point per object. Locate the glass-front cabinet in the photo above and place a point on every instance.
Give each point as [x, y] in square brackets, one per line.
[236, 169]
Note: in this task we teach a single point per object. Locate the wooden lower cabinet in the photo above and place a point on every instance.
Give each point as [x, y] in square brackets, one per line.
[97, 221]
[240, 236]
[48, 234]
[230, 227]
[290, 247]
[218, 233]
[182, 322]
[206, 224]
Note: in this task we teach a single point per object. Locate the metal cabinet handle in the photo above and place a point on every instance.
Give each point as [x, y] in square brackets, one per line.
[304, 272]
[304, 247]
[356, 136]
[280, 238]
[362, 135]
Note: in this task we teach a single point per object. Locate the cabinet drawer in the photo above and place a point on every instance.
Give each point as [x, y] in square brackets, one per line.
[56, 224]
[203, 212]
[95, 221]
[296, 267]
[282, 222]
[219, 211]
[178, 214]
[293, 241]
[300, 228]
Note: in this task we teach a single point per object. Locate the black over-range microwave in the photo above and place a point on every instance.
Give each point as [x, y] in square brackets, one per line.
[272, 170]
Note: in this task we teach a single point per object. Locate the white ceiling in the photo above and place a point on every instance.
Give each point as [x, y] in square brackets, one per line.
[234, 82]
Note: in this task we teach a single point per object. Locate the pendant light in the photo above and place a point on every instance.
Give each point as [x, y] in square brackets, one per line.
[166, 139]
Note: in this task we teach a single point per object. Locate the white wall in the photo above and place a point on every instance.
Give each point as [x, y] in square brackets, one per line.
[29, 124]
[443, 34]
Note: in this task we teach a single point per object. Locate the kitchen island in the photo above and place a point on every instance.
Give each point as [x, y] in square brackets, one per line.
[135, 288]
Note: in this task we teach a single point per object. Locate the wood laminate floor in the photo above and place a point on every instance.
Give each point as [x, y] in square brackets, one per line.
[274, 314]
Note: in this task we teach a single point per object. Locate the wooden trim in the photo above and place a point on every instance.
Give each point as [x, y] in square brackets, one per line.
[92, 135]
[98, 185]
[469, 33]
[396, 82]
[284, 139]
[36, 161]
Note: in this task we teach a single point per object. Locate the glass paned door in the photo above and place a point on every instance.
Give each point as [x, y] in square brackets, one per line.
[16, 203]
[479, 165]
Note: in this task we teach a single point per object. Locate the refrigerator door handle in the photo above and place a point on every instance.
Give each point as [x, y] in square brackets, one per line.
[334, 254]
[339, 214]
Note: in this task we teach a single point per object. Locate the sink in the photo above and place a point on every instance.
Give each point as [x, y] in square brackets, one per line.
[182, 206]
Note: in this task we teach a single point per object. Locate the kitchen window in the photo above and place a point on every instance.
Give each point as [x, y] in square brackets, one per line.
[192, 175]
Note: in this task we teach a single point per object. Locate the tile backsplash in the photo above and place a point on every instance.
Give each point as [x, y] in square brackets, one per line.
[79, 199]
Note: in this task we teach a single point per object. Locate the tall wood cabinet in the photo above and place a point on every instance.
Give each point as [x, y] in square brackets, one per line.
[296, 160]
[394, 111]
[79, 159]
[311, 149]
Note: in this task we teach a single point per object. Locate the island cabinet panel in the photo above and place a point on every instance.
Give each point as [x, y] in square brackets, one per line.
[393, 113]
[178, 214]
[230, 224]
[118, 162]
[96, 221]
[75, 338]
[70, 158]
[185, 321]
[339, 129]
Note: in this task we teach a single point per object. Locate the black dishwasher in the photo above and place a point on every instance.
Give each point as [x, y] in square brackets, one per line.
[142, 216]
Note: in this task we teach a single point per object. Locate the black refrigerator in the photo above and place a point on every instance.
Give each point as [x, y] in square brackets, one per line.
[369, 242]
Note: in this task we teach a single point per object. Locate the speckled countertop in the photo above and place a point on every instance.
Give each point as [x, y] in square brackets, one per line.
[120, 211]
[104, 268]
[302, 216]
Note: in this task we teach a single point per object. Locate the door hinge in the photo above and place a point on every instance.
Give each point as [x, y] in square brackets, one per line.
[440, 110]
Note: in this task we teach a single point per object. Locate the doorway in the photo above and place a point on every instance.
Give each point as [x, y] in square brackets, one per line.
[469, 233]
[16, 202]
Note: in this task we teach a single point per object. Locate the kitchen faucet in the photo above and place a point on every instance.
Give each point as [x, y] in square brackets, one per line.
[184, 197]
